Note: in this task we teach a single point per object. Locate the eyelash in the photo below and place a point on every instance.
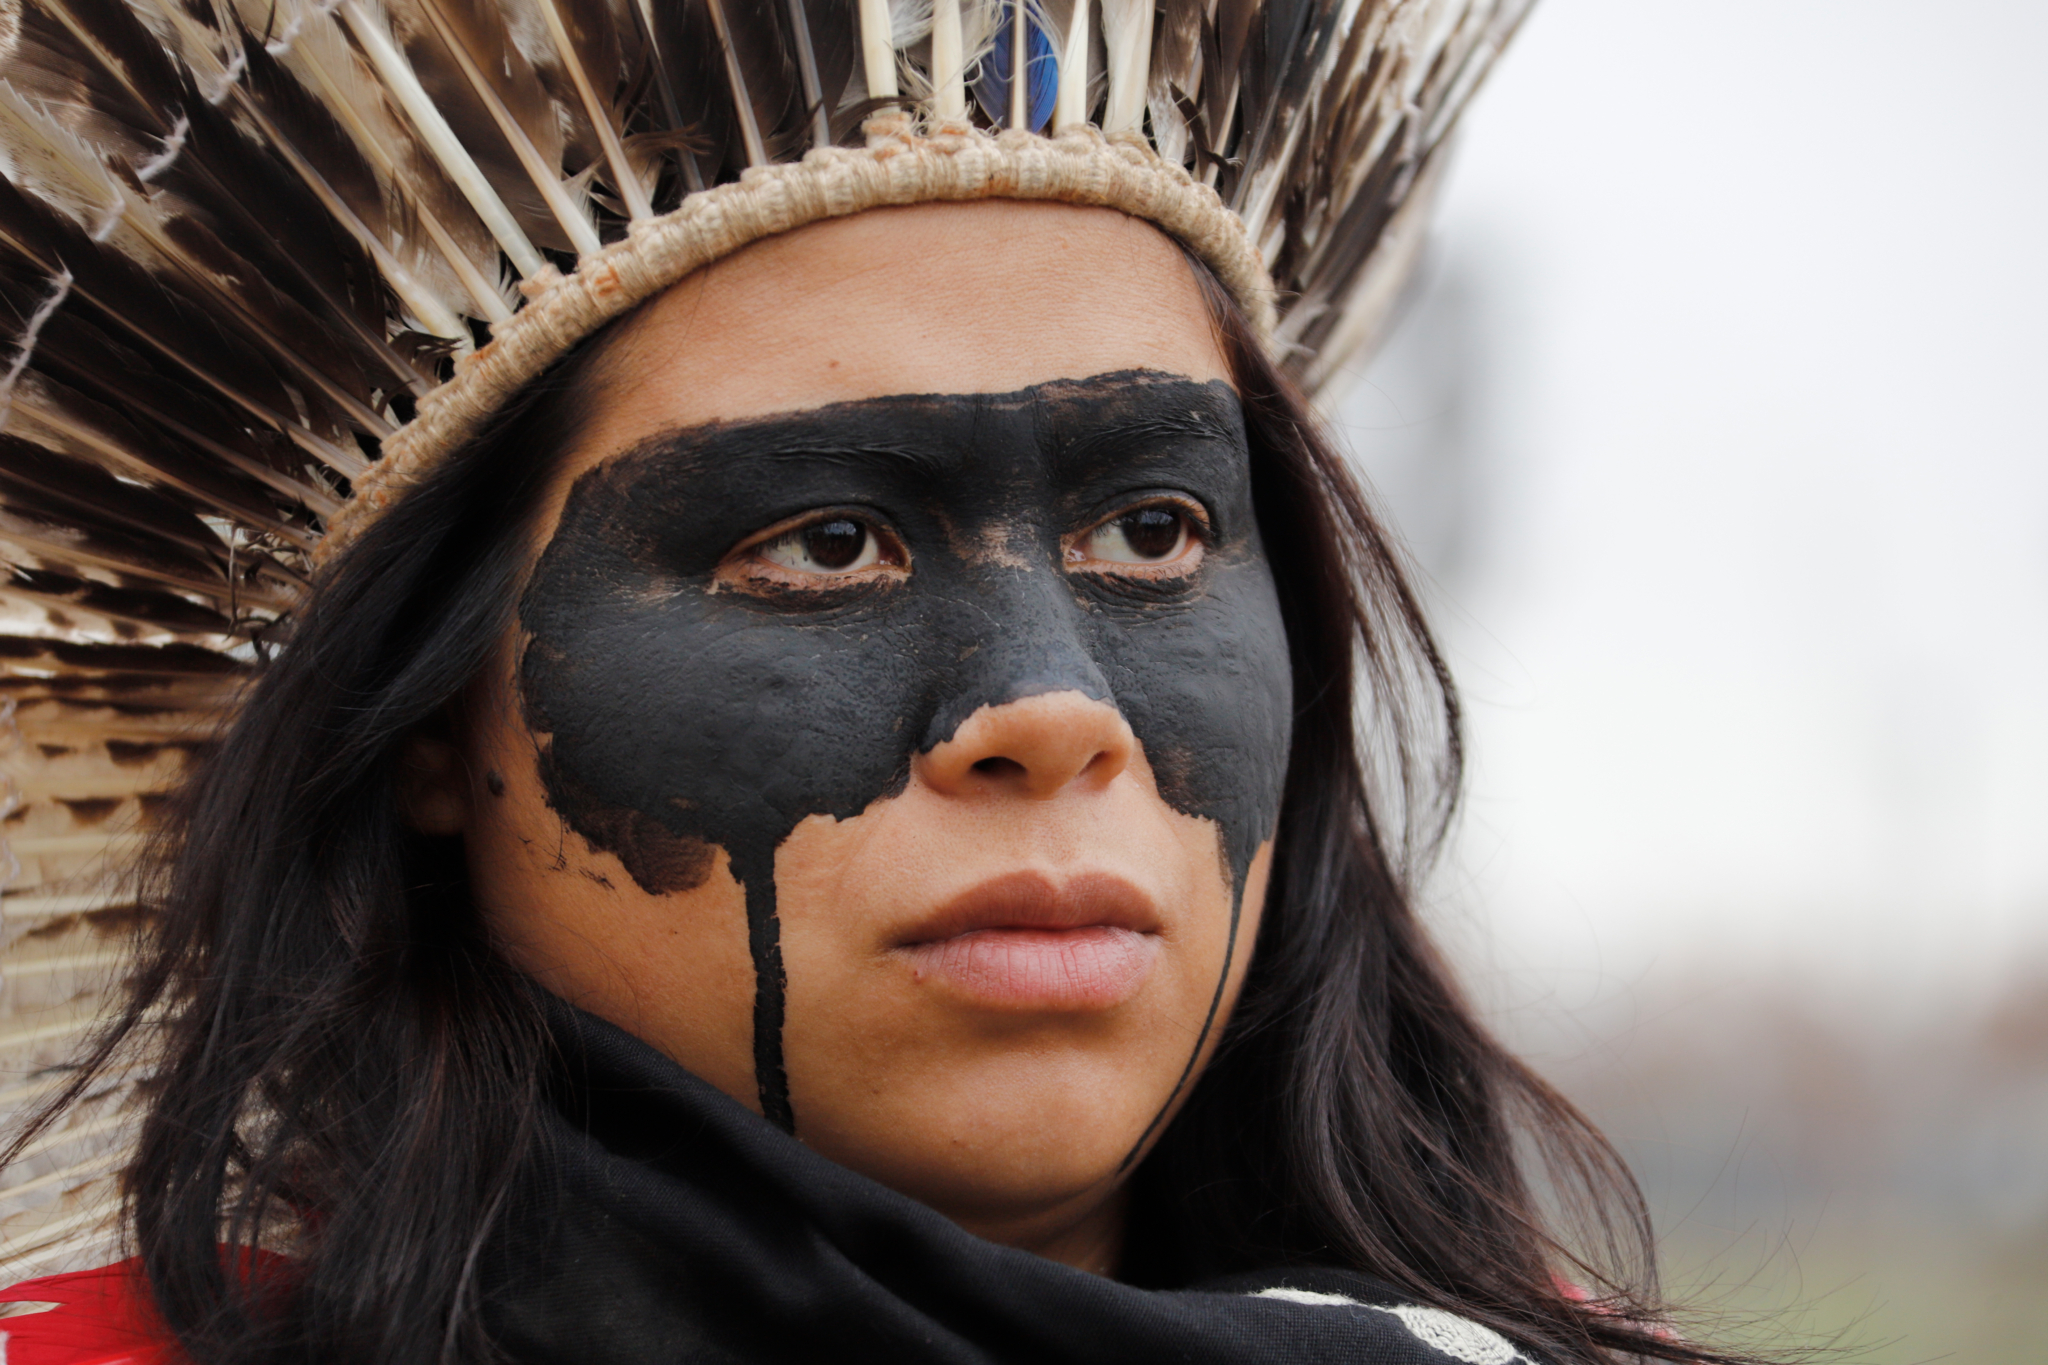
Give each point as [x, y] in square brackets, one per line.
[766, 557]
[807, 536]
[1191, 528]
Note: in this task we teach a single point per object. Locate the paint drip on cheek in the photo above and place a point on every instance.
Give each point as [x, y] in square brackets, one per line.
[677, 715]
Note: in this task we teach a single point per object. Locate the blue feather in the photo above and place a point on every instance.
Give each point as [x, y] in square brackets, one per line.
[1041, 71]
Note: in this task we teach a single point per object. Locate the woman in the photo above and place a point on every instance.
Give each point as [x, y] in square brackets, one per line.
[816, 803]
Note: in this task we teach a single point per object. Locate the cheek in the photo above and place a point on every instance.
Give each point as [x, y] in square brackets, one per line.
[1210, 692]
[692, 723]
[673, 969]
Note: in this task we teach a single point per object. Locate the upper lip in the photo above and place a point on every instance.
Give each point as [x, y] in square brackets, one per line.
[1039, 900]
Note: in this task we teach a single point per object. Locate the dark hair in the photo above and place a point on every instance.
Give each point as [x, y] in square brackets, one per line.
[345, 1049]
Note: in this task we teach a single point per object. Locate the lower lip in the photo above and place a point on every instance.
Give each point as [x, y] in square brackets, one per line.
[1095, 968]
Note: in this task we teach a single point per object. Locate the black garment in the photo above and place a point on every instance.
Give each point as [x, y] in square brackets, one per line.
[668, 1225]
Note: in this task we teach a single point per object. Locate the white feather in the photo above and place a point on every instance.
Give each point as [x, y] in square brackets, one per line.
[1127, 35]
[878, 48]
[1071, 106]
[910, 21]
[949, 61]
[25, 349]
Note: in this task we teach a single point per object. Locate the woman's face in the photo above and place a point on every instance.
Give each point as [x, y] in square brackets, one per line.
[893, 726]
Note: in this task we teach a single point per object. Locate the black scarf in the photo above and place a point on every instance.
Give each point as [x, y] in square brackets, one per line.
[666, 1224]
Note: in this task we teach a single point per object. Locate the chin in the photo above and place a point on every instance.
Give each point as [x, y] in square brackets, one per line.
[997, 1145]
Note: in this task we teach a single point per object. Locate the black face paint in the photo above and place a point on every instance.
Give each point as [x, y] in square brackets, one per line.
[681, 715]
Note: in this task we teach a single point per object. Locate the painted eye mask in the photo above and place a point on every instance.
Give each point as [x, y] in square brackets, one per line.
[741, 625]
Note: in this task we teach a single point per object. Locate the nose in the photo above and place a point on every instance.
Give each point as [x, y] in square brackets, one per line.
[1036, 747]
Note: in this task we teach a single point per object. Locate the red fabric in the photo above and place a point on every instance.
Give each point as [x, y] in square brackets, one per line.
[104, 1317]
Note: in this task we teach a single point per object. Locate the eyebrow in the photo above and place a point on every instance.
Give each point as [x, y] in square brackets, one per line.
[1178, 409]
[705, 450]
[1086, 451]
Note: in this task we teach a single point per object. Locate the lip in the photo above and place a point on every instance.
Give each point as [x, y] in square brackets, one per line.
[1032, 942]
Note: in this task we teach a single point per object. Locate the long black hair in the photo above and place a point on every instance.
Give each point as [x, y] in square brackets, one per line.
[345, 1054]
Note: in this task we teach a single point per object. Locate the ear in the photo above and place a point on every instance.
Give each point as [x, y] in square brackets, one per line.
[433, 785]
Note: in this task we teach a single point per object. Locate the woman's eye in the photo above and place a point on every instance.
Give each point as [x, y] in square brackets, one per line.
[838, 546]
[1143, 535]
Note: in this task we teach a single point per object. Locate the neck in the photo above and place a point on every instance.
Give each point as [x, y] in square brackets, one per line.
[1089, 1238]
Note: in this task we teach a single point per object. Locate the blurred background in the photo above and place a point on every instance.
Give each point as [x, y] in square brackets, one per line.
[1715, 427]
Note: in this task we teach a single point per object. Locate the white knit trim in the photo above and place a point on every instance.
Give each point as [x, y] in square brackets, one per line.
[1459, 1338]
[1308, 1296]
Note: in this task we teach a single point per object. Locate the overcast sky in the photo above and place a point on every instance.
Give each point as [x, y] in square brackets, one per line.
[1717, 423]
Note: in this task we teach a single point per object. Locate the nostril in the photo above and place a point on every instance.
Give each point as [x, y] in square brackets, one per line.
[998, 767]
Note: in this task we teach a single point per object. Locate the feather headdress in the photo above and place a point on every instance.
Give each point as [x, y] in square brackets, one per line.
[263, 261]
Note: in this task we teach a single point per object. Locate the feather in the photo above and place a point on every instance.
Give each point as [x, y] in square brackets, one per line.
[67, 423]
[1174, 76]
[807, 72]
[468, 46]
[67, 596]
[218, 175]
[1019, 82]
[77, 355]
[380, 46]
[948, 61]
[34, 474]
[1225, 39]
[878, 48]
[1127, 38]
[835, 46]
[703, 74]
[307, 139]
[588, 57]
[67, 172]
[678, 132]
[31, 332]
[1285, 60]
[61, 419]
[69, 545]
[452, 252]
[161, 320]
[755, 146]
[910, 22]
[202, 174]
[1072, 103]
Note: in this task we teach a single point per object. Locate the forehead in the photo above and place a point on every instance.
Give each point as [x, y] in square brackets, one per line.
[988, 297]
[1035, 458]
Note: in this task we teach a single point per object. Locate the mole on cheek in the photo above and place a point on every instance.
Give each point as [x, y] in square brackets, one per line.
[496, 782]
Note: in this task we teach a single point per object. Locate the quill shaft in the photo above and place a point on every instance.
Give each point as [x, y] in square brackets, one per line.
[1072, 104]
[878, 48]
[405, 87]
[629, 185]
[1127, 34]
[742, 102]
[546, 179]
[807, 69]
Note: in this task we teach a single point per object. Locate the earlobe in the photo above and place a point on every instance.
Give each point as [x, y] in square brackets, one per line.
[433, 783]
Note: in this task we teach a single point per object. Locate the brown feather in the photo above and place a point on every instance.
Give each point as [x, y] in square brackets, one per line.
[465, 56]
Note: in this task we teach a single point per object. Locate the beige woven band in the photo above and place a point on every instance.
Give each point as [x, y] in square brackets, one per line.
[901, 164]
